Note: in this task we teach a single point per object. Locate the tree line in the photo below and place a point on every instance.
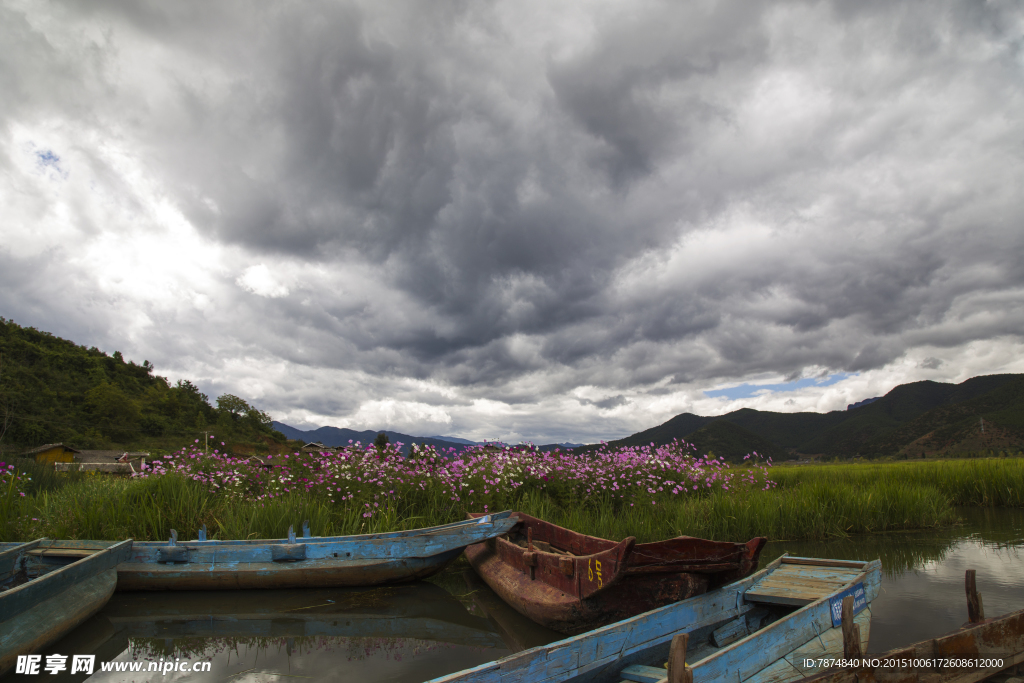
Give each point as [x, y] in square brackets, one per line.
[55, 391]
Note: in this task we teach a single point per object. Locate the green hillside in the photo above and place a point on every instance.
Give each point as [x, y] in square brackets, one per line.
[787, 430]
[732, 442]
[52, 391]
[679, 427]
[868, 427]
[947, 416]
[958, 426]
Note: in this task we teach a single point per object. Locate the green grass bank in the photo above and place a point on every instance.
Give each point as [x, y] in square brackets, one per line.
[814, 502]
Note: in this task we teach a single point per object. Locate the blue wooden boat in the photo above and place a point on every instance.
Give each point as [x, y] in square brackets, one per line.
[303, 562]
[760, 629]
[42, 598]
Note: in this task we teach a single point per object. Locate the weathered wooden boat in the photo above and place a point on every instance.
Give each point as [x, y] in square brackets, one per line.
[42, 597]
[978, 651]
[570, 582]
[295, 562]
[763, 628]
[304, 562]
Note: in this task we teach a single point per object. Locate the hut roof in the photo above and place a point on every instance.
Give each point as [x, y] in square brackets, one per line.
[46, 447]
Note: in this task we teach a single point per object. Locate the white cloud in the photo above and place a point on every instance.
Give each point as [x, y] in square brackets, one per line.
[259, 280]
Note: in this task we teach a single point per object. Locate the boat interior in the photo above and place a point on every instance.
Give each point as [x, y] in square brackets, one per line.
[797, 582]
[22, 563]
[520, 539]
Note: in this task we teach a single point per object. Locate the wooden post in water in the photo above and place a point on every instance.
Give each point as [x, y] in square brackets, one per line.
[975, 609]
[678, 672]
[851, 631]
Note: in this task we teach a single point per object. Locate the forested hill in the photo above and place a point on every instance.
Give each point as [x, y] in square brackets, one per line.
[920, 418]
[52, 390]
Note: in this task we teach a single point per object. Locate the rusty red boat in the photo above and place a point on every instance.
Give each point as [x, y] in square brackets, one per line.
[571, 583]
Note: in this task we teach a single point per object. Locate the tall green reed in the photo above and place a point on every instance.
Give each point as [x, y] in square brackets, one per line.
[812, 502]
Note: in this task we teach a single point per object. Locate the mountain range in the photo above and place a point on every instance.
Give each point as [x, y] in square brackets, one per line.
[336, 436]
[53, 390]
[913, 420]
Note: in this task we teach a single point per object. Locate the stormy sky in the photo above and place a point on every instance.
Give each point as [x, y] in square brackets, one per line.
[519, 220]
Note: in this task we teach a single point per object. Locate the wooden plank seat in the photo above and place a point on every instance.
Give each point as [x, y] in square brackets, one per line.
[798, 583]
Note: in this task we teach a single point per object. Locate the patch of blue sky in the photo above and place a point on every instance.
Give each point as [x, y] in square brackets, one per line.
[48, 162]
[48, 158]
[749, 390]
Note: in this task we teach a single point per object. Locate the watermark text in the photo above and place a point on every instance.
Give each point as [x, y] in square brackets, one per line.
[53, 664]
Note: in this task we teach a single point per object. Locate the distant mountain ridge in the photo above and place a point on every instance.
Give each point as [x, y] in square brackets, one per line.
[920, 418]
[866, 401]
[337, 436]
[455, 439]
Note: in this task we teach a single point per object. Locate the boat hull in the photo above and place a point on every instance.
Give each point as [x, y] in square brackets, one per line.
[571, 583]
[42, 601]
[564, 612]
[51, 619]
[760, 629]
[146, 576]
[307, 562]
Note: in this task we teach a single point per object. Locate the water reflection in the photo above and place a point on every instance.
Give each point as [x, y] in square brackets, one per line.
[398, 633]
[901, 552]
[922, 593]
[516, 631]
[420, 611]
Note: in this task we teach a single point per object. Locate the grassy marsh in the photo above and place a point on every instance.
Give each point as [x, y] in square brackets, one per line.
[815, 502]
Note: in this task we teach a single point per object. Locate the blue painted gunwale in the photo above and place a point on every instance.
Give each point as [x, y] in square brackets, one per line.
[599, 655]
[412, 543]
[362, 560]
[38, 612]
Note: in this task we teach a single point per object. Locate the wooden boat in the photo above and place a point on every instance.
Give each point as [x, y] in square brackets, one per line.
[761, 628]
[42, 598]
[570, 582]
[305, 562]
[986, 646]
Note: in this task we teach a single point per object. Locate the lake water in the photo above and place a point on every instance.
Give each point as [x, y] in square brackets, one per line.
[416, 632]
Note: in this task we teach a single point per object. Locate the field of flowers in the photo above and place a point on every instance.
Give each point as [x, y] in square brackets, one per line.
[373, 481]
[649, 492]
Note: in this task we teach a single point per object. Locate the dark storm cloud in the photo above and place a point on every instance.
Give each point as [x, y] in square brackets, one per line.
[506, 202]
[615, 90]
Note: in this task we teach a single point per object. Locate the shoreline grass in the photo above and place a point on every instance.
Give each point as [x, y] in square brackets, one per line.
[818, 502]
